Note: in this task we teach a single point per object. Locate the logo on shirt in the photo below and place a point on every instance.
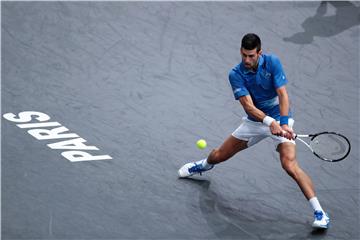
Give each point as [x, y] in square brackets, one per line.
[241, 89]
[266, 74]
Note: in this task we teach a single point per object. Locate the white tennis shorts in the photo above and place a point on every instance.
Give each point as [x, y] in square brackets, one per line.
[254, 132]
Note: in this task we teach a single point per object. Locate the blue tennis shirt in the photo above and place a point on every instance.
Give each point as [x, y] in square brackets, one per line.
[260, 85]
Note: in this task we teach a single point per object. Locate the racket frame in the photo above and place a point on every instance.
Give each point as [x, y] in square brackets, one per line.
[312, 136]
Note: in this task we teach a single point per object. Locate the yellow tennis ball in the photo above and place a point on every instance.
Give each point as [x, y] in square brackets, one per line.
[201, 144]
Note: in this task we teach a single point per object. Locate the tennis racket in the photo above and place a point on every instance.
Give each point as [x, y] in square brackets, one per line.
[328, 146]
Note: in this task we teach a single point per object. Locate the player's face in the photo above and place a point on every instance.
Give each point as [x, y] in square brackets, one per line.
[250, 57]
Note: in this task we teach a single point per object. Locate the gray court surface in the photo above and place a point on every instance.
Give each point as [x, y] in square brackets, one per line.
[143, 81]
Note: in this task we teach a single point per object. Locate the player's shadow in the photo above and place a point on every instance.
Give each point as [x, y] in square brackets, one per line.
[318, 232]
[346, 16]
[217, 214]
[243, 219]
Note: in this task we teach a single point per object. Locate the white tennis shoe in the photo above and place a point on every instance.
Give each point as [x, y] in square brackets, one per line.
[321, 220]
[192, 168]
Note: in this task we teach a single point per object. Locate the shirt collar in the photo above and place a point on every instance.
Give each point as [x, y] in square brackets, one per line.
[247, 71]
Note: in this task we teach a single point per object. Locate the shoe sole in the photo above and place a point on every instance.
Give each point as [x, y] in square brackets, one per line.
[322, 226]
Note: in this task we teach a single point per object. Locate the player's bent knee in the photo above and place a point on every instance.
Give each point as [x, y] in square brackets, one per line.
[290, 158]
[290, 167]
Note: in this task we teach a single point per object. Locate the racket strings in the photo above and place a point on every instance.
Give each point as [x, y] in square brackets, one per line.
[330, 146]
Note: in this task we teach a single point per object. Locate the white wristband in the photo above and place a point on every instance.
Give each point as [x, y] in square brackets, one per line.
[268, 120]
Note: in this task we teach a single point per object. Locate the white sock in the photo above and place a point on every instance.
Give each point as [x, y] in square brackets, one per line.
[315, 204]
[205, 164]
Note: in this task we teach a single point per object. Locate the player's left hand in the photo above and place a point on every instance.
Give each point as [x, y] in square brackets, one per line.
[287, 132]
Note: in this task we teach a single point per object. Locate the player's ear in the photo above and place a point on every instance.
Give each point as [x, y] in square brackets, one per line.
[260, 52]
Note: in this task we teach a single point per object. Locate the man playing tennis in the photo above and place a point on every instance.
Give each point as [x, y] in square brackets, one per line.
[258, 82]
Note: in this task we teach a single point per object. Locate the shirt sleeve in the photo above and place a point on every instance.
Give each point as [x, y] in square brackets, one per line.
[237, 85]
[278, 73]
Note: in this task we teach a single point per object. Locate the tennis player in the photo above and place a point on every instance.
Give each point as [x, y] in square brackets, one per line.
[258, 82]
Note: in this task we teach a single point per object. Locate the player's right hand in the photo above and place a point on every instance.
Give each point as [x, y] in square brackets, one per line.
[287, 132]
[276, 129]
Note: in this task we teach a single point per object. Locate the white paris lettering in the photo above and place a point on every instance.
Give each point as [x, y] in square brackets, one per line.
[39, 132]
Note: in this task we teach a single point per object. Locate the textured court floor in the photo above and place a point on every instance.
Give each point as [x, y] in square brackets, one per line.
[143, 81]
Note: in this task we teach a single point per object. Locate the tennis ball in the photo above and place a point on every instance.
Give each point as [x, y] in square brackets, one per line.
[201, 144]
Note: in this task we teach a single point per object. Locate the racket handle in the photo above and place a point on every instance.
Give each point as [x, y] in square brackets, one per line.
[303, 136]
[294, 135]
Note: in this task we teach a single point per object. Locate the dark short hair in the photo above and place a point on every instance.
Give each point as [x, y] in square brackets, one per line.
[251, 41]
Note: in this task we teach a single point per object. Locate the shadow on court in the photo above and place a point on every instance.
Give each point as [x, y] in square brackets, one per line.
[243, 219]
[346, 15]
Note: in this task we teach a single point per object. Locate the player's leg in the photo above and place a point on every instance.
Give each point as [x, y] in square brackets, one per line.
[289, 163]
[228, 149]
[246, 135]
[287, 151]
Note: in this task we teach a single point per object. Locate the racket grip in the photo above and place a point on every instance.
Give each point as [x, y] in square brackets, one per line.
[294, 136]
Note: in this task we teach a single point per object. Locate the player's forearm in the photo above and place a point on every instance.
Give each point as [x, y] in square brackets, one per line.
[254, 112]
[250, 108]
[284, 105]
